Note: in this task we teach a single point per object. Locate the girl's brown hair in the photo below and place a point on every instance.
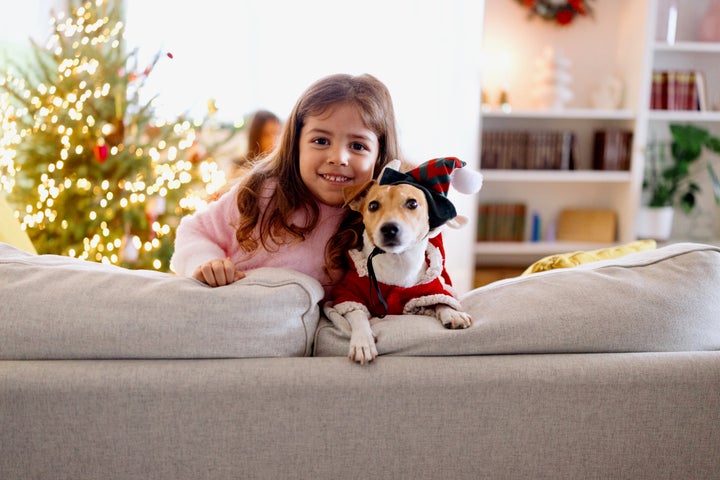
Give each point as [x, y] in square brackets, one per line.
[373, 100]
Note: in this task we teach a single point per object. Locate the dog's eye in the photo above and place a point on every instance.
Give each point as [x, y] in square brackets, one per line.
[373, 206]
[411, 204]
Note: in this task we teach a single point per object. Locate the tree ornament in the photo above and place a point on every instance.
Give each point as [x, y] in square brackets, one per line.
[116, 133]
[100, 151]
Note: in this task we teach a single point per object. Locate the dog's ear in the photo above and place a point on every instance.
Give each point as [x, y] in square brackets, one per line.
[458, 222]
[392, 164]
[354, 194]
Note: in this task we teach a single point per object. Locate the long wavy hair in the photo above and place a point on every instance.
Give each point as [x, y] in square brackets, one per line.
[373, 100]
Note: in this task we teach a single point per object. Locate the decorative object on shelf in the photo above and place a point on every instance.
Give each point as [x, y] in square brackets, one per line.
[669, 181]
[609, 93]
[557, 11]
[552, 80]
[587, 225]
[655, 222]
[485, 104]
[710, 25]
[505, 104]
[672, 20]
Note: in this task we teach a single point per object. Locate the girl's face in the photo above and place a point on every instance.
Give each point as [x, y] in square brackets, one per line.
[336, 150]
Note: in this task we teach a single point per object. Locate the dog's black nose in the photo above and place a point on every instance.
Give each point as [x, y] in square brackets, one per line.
[389, 231]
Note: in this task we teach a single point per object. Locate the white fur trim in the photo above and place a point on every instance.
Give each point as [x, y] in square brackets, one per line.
[345, 307]
[360, 260]
[420, 304]
[435, 260]
[432, 254]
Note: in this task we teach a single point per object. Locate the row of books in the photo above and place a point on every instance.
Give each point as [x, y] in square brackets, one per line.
[537, 150]
[678, 90]
[501, 222]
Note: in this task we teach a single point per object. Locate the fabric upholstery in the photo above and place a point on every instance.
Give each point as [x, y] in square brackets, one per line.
[60, 307]
[592, 417]
[665, 299]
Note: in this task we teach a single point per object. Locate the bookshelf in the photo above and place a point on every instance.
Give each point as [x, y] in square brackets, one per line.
[686, 53]
[625, 39]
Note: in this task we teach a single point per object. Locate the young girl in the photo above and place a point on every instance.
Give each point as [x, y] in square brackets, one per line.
[288, 212]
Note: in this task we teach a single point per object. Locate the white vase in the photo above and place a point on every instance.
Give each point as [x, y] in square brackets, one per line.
[655, 222]
[710, 24]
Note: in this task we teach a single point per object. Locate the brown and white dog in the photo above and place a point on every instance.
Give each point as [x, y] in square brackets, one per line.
[400, 268]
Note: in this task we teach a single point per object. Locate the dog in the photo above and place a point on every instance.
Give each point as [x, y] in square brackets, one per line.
[400, 268]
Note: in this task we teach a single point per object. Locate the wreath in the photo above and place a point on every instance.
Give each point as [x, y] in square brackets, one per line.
[561, 12]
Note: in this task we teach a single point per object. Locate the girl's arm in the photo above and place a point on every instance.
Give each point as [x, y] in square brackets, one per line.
[206, 238]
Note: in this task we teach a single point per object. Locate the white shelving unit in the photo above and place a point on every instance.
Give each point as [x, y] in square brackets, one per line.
[687, 53]
[623, 39]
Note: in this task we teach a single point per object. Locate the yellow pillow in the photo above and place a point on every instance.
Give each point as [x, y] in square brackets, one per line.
[566, 260]
[10, 231]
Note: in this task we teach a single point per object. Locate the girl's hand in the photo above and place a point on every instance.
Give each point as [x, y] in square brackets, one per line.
[218, 272]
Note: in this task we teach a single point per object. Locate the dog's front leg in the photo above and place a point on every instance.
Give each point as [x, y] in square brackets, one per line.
[362, 339]
[452, 318]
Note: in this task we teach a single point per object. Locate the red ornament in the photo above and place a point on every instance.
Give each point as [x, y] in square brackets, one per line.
[170, 55]
[564, 17]
[100, 151]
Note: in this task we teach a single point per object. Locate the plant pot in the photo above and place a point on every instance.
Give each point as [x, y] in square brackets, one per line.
[655, 222]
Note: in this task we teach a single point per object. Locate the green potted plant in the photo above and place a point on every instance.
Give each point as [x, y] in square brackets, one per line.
[669, 182]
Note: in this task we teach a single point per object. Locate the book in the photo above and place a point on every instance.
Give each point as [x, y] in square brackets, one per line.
[501, 222]
[701, 91]
[658, 93]
[677, 90]
[612, 149]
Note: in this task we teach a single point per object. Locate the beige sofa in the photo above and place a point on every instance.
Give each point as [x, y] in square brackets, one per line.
[609, 370]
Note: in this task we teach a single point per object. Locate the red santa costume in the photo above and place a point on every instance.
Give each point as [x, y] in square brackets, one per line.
[357, 291]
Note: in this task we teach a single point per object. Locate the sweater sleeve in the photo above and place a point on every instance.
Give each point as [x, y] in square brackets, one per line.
[206, 235]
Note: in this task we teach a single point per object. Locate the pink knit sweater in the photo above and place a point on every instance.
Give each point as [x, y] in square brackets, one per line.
[210, 234]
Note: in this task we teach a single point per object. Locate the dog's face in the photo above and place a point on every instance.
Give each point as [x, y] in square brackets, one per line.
[395, 216]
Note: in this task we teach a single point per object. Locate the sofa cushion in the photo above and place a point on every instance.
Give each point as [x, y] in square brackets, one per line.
[667, 299]
[60, 307]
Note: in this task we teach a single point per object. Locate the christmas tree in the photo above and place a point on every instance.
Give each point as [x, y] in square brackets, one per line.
[88, 168]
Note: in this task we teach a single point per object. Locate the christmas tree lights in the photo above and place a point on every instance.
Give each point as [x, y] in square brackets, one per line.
[90, 171]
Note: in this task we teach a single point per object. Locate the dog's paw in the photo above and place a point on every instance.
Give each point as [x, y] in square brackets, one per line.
[452, 318]
[362, 348]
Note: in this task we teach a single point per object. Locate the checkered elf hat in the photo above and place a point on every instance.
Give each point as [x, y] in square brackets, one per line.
[434, 178]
